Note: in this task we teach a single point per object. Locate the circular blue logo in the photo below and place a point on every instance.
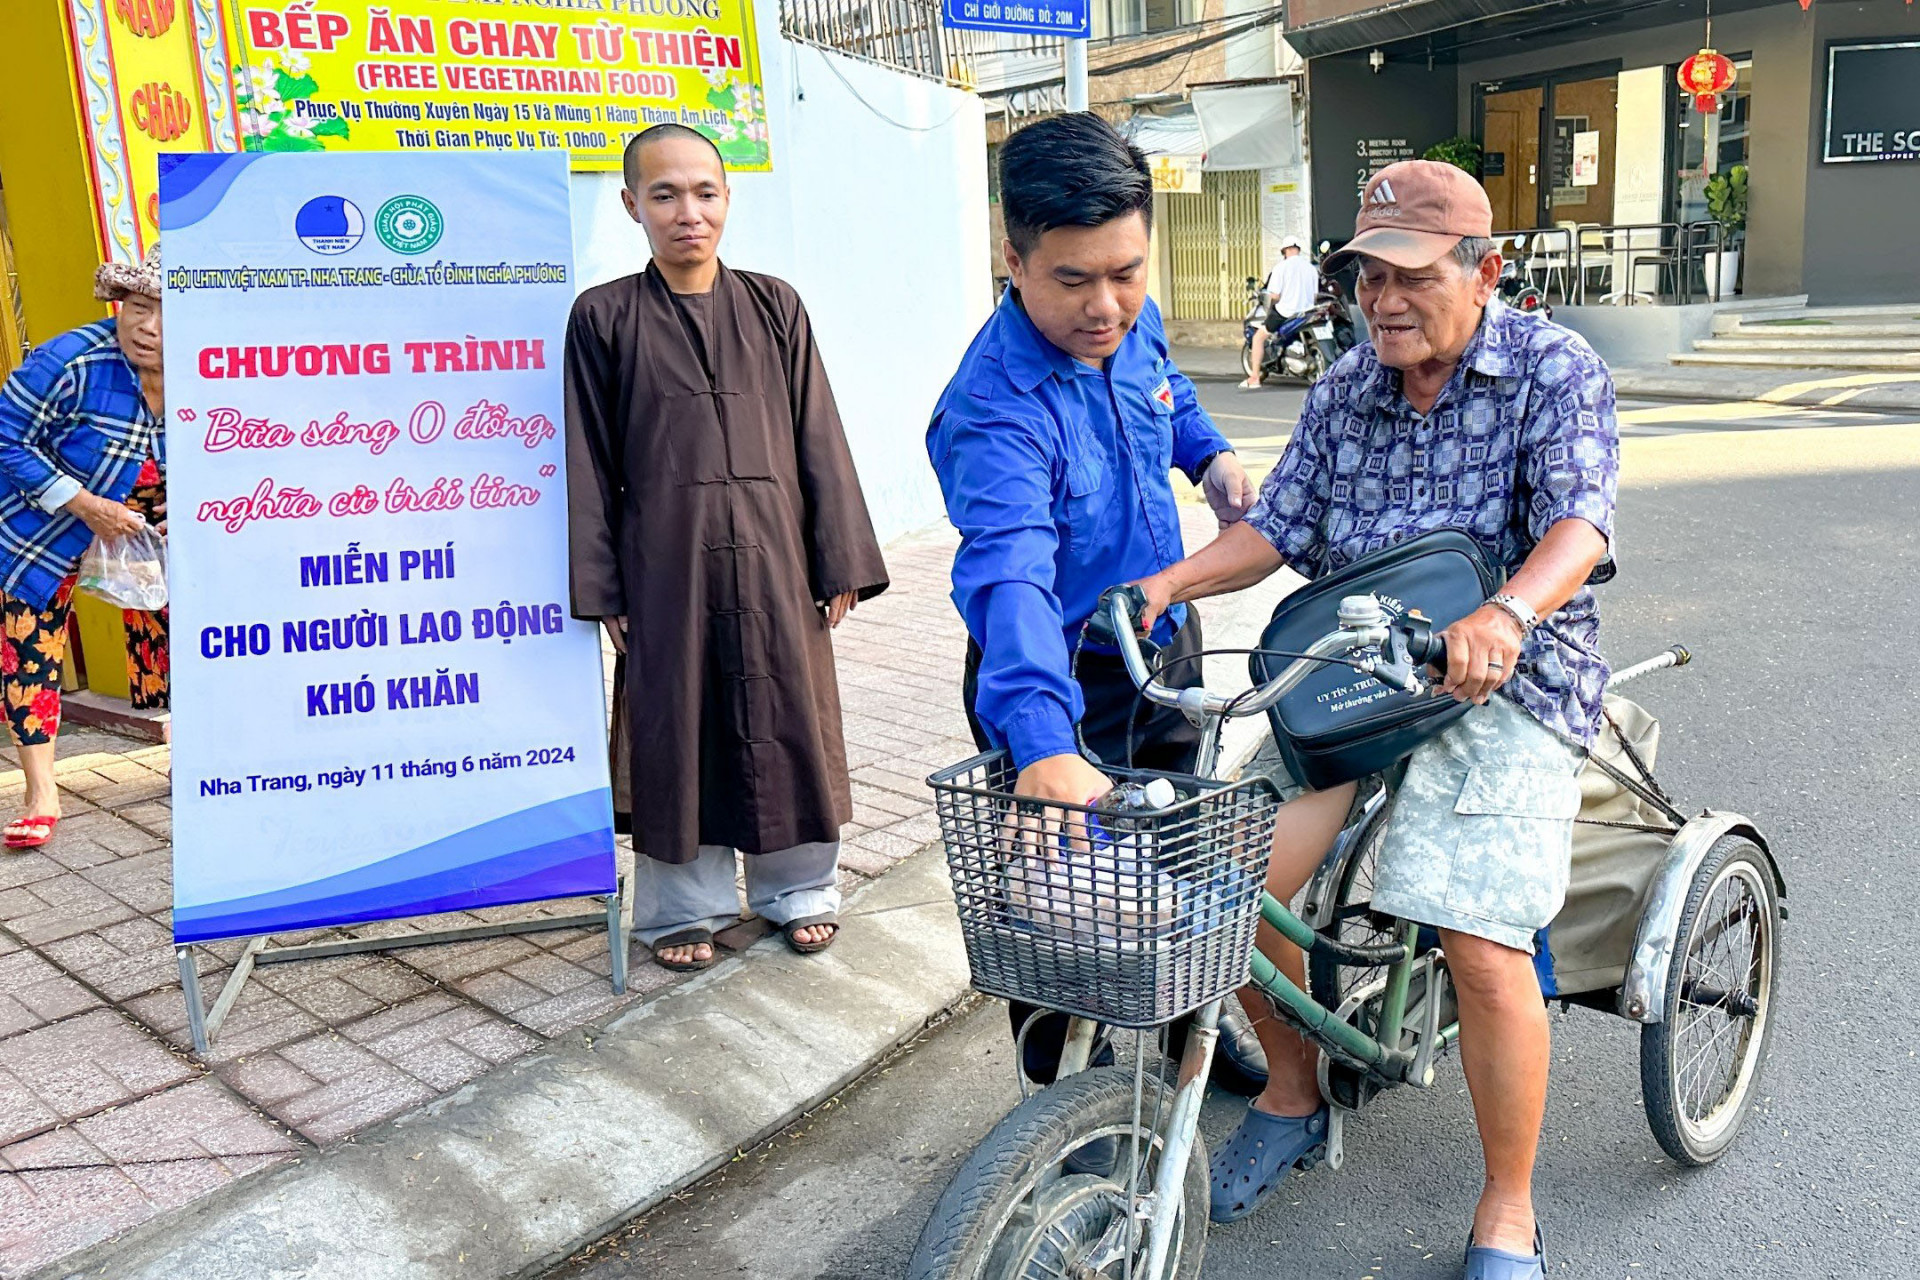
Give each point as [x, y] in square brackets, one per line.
[329, 224]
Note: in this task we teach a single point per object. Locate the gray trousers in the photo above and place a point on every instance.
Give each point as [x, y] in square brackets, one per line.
[781, 887]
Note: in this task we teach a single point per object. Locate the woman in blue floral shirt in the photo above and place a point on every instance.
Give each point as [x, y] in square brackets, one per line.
[78, 423]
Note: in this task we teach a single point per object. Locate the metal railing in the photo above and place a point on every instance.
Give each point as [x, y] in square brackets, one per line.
[904, 35]
[1621, 265]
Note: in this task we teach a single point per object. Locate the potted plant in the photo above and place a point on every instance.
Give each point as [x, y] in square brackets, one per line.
[1460, 152]
[1727, 205]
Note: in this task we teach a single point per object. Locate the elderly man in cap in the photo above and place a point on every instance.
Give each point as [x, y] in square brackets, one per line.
[1462, 414]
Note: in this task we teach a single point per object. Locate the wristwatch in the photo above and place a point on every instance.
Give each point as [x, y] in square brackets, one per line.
[1517, 609]
[1199, 471]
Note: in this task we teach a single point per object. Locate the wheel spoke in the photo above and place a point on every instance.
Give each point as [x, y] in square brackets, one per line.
[1725, 954]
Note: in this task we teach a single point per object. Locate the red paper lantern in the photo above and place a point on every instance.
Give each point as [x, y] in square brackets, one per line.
[1706, 75]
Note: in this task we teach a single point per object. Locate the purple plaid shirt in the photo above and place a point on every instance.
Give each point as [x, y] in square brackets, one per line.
[1522, 437]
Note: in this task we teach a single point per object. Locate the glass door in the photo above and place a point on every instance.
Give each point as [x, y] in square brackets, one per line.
[1583, 146]
[1510, 155]
[1704, 145]
[1548, 145]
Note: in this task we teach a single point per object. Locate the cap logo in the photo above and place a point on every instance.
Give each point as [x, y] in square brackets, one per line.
[1381, 203]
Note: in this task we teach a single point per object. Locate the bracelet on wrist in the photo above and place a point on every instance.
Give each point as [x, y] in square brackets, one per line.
[1519, 610]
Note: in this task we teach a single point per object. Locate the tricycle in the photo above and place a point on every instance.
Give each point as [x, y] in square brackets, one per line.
[1146, 919]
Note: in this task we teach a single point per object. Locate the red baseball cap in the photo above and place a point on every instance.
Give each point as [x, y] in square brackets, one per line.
[1413, 213]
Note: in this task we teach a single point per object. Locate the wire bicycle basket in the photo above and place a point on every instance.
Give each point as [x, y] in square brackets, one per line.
[1131, 917]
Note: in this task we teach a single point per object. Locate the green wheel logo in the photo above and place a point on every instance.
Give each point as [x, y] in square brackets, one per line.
[409, 224]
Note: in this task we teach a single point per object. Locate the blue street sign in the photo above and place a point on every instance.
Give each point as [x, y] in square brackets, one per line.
[1028, 17]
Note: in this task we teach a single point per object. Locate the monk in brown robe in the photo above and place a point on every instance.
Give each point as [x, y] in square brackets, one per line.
[719, 532]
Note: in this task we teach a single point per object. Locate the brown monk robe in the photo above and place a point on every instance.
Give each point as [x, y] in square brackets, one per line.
[715, 507]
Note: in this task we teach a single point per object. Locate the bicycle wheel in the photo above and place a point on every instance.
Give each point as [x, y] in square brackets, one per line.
[1700, 1064]
[1017, 1210]
[1354, 923]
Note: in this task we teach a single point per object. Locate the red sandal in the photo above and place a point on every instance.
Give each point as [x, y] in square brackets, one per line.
[31, 842]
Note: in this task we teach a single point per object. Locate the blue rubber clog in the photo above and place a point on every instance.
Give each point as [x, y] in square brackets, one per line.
[1484, 1263]
[1257, 1157]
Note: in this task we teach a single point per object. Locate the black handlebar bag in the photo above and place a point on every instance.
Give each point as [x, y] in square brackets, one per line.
[1338, 725]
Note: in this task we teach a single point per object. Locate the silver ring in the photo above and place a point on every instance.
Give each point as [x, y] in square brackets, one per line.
[1494, 666]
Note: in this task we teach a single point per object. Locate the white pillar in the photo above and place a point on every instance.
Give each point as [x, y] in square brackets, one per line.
[1076, 75]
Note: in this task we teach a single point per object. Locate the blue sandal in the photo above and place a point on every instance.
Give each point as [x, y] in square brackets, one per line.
[1257, 1157]
[1486, 1263]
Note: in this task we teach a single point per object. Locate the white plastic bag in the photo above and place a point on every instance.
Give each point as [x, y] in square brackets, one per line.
[130, 572]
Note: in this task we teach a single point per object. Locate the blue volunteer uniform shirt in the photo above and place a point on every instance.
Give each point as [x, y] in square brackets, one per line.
[1056, 475]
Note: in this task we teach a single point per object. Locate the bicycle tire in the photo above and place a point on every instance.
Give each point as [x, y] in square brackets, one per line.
[1700, 1140]
[1324, 973]
[961, 1234]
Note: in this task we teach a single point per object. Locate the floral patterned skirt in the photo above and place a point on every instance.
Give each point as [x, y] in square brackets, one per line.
[147, 654]
[33, 645]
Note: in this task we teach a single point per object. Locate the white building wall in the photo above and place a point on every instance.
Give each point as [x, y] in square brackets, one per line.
[876, 212]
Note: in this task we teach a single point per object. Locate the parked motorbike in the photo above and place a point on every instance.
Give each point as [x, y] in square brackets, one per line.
[1515, 289]
[1305, 346]
[1333, 296]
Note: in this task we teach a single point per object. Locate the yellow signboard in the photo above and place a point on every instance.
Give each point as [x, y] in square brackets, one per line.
[143, 90]
[1176, 174]
[447, 75]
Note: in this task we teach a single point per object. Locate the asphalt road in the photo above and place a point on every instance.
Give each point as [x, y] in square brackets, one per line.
[1788, 561]
[1258, 422]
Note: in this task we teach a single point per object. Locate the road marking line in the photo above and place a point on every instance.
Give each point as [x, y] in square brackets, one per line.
[1727, 411]
[1862, 381]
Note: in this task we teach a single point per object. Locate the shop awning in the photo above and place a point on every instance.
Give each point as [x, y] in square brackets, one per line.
[1447, 29]
[1248, 126]
[1175, 134]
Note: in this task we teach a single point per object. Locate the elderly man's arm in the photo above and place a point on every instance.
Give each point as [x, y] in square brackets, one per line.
[1569, 474]
[1283, 527]
[1483, 647]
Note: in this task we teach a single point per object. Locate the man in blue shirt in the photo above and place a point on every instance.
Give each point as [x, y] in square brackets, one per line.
[1054, 445]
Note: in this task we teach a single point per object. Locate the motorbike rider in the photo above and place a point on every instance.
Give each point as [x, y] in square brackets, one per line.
[1460, 413]
[1291, 288]
[1053, 445]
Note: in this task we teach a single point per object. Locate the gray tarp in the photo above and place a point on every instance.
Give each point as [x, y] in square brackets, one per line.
[1590, 940]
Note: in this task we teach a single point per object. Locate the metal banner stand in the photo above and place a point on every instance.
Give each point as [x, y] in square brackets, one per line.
[203, 1022]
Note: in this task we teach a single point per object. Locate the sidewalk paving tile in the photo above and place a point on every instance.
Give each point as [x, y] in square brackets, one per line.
[88, 1063]
[95, 1077]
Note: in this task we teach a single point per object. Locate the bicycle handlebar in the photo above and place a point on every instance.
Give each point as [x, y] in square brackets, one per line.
[1405, 648]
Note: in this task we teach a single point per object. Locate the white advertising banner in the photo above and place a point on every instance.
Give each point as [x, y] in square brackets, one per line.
[381, 705]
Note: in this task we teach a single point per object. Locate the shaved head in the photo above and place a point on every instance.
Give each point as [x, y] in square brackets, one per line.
[655, 134]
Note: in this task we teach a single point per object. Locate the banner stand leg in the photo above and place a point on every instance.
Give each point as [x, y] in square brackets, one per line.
[202, 1023]
[196, 1009]
[617, 937]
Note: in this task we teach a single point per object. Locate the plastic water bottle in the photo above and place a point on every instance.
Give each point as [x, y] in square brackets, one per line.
[1139, 894]
[1155, 793]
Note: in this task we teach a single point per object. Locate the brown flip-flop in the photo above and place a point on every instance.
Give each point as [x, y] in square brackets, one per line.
[686, 938]
[806, 922]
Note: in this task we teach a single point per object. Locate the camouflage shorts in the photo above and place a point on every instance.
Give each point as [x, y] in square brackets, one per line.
[1480, 838]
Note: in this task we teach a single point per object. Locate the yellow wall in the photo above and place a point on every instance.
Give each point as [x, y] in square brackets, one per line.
[43, 171]
[49, 203]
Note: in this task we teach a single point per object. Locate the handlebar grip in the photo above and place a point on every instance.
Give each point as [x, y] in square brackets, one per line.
[1100, 627]
[1425, 646]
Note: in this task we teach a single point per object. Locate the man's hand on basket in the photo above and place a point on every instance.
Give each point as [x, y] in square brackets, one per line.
[1064, 779]
[1061, 779]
